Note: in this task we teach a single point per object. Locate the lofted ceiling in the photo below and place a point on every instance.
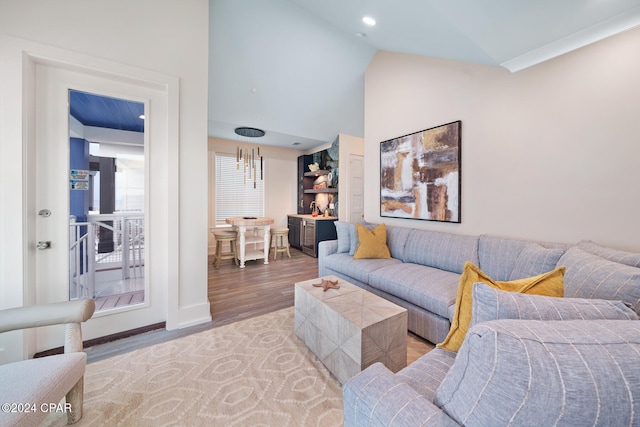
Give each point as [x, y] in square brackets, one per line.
[295, 68]
[514, 34]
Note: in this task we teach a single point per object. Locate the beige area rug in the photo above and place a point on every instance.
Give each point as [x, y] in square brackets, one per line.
[254, 372]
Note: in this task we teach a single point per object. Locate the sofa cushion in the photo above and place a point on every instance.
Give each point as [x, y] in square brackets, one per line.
[504, 258]
[38, 381]
[533, 260]
[549, 283]
[428, 288]
[372, 243]
[493, 304]
[445, 251]
[528, 372]
[622, 257]
[426, 373]
[396, 240]
[590, 276]
[359, 269]
[378, 397]
[343, 234]
[497, 256]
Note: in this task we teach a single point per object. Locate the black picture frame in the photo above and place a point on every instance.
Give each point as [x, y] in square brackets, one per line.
[420, 175]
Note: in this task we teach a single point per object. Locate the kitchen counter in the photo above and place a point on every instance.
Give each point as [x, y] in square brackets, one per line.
[309, 217]
[306, 231]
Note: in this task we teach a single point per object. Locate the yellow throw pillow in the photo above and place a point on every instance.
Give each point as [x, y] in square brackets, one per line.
[372, 243]
[549, 284]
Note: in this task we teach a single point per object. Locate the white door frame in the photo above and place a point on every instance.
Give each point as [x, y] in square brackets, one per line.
[17, 133]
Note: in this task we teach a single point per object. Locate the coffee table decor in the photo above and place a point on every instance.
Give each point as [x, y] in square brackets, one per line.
[349, 328]
[327, 284]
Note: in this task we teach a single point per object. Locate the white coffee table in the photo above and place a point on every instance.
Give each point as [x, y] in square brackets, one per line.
[349, 328]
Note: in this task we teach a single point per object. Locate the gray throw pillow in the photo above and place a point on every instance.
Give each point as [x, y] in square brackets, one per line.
[489, 303]
[629, 258]
[533, 260]
[344, 236]
[590, 276]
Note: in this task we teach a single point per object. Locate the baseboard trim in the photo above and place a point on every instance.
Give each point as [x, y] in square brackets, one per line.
[105, 339]
[194, 315]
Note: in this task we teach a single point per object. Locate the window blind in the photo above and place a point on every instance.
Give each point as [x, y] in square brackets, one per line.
[234, 196]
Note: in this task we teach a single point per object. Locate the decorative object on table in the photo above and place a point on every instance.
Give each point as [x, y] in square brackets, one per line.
[250, 158]
[320, 185]
[326, 284]
[420, 175]
[314, 167]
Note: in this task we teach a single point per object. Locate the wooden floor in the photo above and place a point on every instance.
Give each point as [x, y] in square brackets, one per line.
[236, 294]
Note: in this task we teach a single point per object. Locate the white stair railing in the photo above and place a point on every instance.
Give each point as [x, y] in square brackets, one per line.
[132, 248]
[82, 258]
[85, 261]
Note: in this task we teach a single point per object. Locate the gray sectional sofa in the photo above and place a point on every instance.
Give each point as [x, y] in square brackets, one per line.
[423, 273]
[518, 365]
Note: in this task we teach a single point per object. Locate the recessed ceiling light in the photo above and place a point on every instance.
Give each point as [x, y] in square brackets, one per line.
[295, 143]
[369, 21]
[361, 35]
[141, 116]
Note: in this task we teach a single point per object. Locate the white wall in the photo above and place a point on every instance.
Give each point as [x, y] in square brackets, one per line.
[281, 177]
[162, 36]
[548, 153]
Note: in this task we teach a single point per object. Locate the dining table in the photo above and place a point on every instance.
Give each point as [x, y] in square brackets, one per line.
[242, 223]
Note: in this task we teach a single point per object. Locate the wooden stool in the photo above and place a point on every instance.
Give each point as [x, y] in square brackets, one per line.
[283, 234]
[221, 237]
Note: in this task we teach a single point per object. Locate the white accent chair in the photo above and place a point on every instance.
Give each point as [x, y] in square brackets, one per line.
[46, 380]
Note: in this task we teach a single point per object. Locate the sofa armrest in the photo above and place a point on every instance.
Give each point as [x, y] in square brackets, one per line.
[325, 248]
[57, 313]
[68, 313]
[571, 372]
[377, 397]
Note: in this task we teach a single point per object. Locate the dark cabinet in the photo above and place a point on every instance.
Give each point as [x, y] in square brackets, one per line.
[295, 227]
[315, 231]
[305, 232]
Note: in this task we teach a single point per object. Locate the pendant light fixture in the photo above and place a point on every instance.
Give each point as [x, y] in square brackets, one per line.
[249, 158]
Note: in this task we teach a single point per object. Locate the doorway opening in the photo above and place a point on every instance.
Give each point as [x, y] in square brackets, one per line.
[106, 200]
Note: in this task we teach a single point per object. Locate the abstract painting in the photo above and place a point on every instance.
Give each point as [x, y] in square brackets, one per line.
[420, 175]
